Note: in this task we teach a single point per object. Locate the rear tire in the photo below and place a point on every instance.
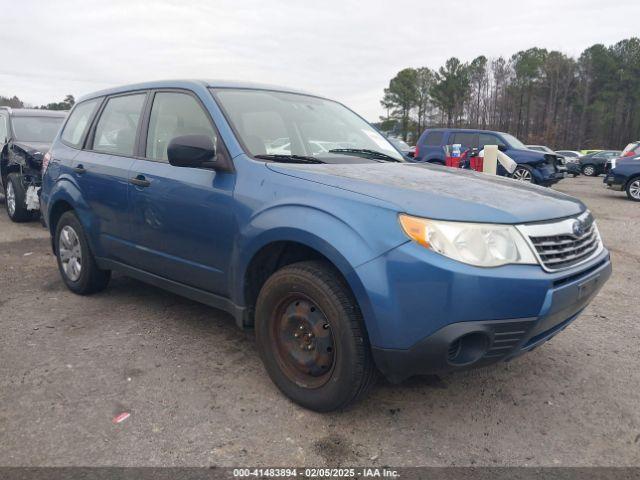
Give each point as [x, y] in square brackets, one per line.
[633, 189]
[311, 337]
[76, 263]
[589, 170]
[15, 200]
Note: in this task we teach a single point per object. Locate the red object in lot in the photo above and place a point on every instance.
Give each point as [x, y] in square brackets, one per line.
[453, 162]
[477, 163]
[121, 417]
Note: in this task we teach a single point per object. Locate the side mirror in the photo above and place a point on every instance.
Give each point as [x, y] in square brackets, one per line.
[502, 148]
[191, 151]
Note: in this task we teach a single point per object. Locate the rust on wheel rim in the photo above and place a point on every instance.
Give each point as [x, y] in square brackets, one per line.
[303, 341]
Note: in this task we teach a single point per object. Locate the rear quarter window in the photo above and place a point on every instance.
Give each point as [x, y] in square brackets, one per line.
[78, 122]
[434, 138]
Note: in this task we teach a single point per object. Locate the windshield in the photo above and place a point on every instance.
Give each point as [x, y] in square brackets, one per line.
[514, 142]
[36, 129]
[285, 124]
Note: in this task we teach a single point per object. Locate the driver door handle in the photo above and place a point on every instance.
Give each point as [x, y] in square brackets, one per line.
[79, 169]
[140, 181]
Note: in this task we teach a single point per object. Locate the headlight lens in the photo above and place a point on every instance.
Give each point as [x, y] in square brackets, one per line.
[479, 244]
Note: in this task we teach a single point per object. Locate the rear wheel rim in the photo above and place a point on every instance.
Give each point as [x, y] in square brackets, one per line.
[302, 341]
[11, 199]
[588, 171]
[634, 189]
[522, 175]
[70, 253]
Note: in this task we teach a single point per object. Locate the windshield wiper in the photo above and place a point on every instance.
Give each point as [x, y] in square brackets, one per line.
[366, 151]
[289, 158]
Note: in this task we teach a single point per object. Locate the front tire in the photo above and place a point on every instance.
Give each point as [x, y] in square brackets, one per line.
[311, 337]
[523, 173]
[589, 170]
[633, 190]
[15, 200]
[76, 263]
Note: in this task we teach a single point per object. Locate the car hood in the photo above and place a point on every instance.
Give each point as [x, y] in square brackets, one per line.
[32, 148]
[442, 193]
[528, 156]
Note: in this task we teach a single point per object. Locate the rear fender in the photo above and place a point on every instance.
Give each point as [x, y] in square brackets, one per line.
[64, 190]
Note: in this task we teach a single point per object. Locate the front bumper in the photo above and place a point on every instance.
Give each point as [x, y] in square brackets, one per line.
[552, 178]
[573, 168]
[436, 321]
[613, 183]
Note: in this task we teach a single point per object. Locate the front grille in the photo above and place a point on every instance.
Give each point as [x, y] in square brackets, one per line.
[562, 251]
[553, 162]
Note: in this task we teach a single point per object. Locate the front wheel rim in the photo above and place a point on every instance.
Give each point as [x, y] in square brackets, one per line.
[522, 175]
[11, 199]
[70, 253]
[634, 189]
[588, 171]
[302, 341]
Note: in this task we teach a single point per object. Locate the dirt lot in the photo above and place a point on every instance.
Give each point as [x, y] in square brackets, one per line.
[198, 394]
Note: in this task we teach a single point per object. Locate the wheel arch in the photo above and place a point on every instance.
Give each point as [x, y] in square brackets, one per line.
[64, 197]
[291, 233]
[287, 248]
[632, 178]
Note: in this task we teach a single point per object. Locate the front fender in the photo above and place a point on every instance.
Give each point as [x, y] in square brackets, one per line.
[339, 241]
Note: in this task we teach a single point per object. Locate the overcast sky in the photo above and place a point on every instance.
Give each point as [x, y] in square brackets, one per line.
[342, 49]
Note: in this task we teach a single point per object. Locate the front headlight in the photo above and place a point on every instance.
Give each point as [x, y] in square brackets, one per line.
[479, 244]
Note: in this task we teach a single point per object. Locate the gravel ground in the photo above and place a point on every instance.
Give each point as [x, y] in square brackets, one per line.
[198, 394]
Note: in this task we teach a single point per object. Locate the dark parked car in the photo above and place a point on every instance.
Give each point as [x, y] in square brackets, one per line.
[345, 262]
[571, 161]
[625, 176]
[25, 137]
[533, 167]
[594, 164]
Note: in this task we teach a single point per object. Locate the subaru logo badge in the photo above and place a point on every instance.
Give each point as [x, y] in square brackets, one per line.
[578, 228]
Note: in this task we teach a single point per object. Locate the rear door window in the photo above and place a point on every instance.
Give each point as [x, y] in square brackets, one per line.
[118, 125]
[76, 126]
[466, 139]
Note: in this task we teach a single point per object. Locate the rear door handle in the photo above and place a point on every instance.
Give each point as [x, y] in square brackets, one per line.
[140, 181]
[79, 169]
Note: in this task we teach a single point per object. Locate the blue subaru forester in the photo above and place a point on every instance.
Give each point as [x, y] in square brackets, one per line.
[293, 214]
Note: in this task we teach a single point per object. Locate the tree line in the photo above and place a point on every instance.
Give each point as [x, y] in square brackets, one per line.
[15, 102]
[540, 96]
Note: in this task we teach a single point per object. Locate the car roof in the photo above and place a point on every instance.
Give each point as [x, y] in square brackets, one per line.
[190, 84]
[34, 112]
[470, 130]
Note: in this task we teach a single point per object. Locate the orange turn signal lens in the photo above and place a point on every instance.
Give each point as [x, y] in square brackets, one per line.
[415, 228]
